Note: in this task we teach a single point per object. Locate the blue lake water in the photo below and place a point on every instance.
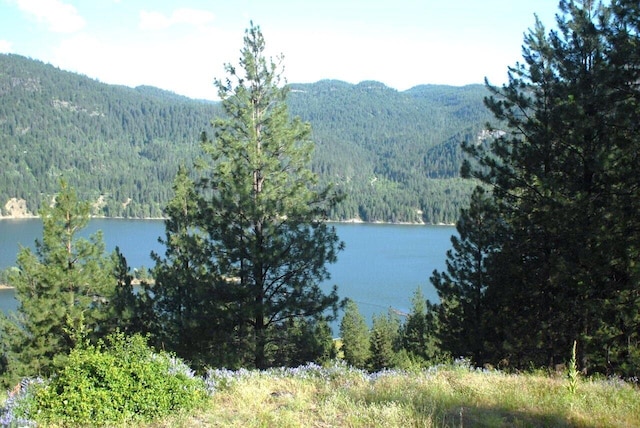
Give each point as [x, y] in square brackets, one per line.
[380, 268]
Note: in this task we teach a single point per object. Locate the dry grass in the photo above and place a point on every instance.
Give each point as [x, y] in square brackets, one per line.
[452, 397]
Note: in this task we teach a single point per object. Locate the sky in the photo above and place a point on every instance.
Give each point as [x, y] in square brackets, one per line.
[182, 46]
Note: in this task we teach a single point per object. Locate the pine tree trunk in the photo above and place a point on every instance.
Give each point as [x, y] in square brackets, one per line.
[259, 355]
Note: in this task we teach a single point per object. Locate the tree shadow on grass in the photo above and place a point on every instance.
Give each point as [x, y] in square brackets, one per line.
[472, 416]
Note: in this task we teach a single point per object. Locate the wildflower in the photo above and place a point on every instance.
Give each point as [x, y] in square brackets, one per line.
[15, 398]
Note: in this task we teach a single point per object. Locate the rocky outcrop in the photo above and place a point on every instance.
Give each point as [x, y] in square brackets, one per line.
[16, 208]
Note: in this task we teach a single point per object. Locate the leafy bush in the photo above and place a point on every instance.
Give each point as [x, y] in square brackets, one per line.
[119, 382]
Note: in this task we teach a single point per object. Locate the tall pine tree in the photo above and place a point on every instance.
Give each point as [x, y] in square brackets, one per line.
[255, 249]
[561, 181]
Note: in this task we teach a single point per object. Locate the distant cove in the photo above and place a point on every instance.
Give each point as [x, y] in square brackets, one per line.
[380, 268]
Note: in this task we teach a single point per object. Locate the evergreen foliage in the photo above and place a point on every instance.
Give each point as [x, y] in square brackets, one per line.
[384, 340]
[459, 316]
[64, 291]
[395, 154]
[128, 309]
[417, 332]
[180, 305]
[118, 147]
[564, 266]
[406, 341]
[301, 341]
[248, 243]
[354, 334]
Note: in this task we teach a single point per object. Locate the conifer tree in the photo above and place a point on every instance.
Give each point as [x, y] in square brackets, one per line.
[355, 335]
[384, 342]
[182, 312]
[64, 290]
[561, 180]
[418, 333]
[461, 312]
[255, 244]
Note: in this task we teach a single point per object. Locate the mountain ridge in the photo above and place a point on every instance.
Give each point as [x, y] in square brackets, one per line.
[395, 153]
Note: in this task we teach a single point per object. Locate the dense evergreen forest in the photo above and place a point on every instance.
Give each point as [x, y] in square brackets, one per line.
[112, 141]
[395, 154]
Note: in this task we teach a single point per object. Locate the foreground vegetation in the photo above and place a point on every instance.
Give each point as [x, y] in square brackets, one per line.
[120, 381]
[444, 396]
[454, 395]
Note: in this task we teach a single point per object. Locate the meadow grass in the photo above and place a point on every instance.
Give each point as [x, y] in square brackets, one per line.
[446, 396]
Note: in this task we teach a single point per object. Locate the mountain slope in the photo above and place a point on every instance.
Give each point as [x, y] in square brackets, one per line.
[105, 140]
[395, 154]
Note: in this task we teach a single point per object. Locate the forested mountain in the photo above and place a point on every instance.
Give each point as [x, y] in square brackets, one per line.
[112, 141]
[395, 154]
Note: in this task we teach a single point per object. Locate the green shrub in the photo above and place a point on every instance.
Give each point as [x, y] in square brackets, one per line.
[119, 382]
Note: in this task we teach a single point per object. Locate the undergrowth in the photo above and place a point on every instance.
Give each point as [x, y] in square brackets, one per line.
[122, 381]
[453, 395]
[448, 395]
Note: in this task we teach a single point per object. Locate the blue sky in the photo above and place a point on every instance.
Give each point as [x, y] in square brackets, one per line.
[182, 45]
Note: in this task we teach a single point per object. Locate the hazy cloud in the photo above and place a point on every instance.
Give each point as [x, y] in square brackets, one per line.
[5, 46]
[175, 65]
[150, 20]
[58, 16]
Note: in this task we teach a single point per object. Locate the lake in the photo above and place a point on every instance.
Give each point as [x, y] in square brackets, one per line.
[380, 268]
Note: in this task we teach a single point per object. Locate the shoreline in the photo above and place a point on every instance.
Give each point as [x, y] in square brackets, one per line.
[133, 282]
[34, 217]
[350, 221]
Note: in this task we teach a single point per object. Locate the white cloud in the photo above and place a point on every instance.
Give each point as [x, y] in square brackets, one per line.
[5, 46]
[59, 16]
[153, 21]
[176, 65]
[401, 60]
[158, 21]
[192, 17]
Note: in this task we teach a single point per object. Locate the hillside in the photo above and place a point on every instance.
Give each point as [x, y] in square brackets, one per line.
[110, 141]
[395, 154]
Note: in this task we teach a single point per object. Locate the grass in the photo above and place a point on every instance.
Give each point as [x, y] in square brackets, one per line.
[451, 396]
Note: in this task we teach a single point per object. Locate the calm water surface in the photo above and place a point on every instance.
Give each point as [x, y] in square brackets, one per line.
[380, 268]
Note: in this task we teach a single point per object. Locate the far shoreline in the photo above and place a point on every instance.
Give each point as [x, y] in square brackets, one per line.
[350, 221]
